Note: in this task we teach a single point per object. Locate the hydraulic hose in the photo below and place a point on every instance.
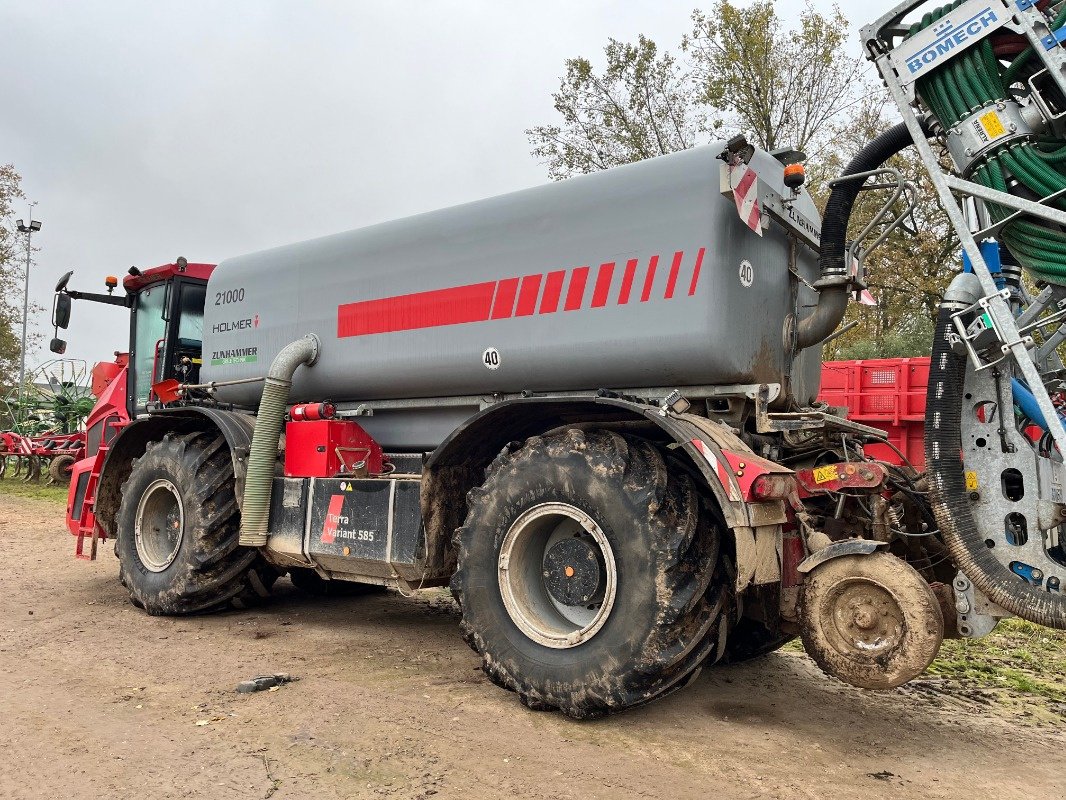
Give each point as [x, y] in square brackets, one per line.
[976, 80]
[263, 455]
[950, 498]
[834, 284]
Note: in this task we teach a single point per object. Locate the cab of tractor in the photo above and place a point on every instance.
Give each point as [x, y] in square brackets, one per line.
[166, 305]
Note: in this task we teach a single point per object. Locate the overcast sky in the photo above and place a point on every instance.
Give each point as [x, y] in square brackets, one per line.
[145, 131]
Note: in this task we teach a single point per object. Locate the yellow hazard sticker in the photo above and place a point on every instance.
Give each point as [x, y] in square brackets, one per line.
[826, 474]
[992, 125]
[971, 481]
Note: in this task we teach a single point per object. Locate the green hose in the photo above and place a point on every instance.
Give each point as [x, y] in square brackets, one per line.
[974, 80]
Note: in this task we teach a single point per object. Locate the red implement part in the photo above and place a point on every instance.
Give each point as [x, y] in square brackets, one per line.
[107, 371]
[106, 419]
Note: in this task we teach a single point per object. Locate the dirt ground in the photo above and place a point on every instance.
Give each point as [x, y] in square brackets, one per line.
[99, 700]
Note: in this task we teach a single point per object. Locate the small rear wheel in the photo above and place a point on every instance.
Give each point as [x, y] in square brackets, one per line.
[59, 470]
[871, 620]
[178, 528]
[588, 574]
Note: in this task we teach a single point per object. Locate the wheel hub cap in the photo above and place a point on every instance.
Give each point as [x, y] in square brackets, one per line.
[160, 525]
[867, 617]
[557, 575]
[573, 573]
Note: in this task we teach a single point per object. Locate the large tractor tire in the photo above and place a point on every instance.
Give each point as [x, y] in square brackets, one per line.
[588, 574]
[178, 527]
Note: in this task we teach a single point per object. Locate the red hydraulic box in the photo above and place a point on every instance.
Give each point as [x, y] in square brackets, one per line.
[328, 447]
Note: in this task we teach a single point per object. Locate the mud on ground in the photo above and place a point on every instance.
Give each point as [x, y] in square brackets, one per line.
[99, 700]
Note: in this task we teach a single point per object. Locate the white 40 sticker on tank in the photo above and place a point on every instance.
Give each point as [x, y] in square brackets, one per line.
[747, 274]
[491, 358]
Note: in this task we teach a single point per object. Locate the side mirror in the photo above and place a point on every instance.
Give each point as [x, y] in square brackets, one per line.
[58, 346]
[61, 311]
[62, 284]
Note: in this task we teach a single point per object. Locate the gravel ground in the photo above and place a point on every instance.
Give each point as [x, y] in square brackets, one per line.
[99, 700]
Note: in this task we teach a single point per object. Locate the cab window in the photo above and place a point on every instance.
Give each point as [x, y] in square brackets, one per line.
[191, 316]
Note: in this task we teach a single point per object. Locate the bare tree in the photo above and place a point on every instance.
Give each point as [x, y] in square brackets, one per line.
[638, 107]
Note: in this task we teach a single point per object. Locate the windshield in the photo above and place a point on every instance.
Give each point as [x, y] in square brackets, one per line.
[150, 327]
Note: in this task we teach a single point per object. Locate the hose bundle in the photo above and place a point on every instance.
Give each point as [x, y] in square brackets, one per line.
[1034, 167]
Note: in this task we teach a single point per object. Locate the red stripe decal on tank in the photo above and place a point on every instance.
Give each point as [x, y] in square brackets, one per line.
[675, 268]
[603, 284]
[696, 272]
[504, 302]
[333, 518]
[480, 302]
[649, 279]
[553, 289]
[527, 295]
[627, 281]
[575, 293]
[419, 310]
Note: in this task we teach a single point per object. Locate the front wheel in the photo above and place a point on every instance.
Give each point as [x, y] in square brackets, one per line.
[588, 574]
[178, 527]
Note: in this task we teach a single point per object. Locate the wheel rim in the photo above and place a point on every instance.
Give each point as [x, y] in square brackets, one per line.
[160, 525]
[861, 616]
[557, 575]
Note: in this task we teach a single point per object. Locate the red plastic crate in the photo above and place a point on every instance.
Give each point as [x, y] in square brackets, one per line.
[885, 393]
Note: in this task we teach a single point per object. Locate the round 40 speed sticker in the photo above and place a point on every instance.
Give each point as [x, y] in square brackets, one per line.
[747, 274]
[491, 358]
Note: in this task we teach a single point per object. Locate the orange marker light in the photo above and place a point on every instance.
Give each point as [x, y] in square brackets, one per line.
[110, 281]
[794, 176]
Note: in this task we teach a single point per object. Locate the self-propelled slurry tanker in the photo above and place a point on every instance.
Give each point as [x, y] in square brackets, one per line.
[588, 407]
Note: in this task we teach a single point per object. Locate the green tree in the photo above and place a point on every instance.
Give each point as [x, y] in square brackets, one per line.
[744, 70]
[784, 87]
[12, 253]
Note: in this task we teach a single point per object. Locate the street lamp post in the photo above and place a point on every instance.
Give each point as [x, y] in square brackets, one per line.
[29, 230]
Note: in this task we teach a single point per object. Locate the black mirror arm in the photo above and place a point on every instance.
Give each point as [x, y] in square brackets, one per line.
[110, 299]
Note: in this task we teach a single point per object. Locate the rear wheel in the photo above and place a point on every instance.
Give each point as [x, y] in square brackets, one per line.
[588, 574]
[178, 527]
[59, 470]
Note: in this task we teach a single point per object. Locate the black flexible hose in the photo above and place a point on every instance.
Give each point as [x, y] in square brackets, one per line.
[833, 294]
[842, 198]
[951, 500]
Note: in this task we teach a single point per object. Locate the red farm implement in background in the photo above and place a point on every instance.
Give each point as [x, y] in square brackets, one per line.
[885, 393]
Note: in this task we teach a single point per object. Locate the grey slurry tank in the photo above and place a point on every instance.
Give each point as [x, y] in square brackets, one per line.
[640, 276]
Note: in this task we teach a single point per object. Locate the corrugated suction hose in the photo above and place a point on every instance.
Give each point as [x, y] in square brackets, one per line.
[951, 500]
[259, 480]
[834, 282]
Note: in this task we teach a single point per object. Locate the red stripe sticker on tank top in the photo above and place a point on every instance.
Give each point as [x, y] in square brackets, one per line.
[502, 299]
